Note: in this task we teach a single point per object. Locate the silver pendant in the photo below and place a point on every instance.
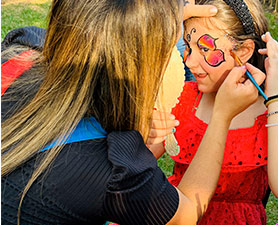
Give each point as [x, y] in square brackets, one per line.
[171, 145]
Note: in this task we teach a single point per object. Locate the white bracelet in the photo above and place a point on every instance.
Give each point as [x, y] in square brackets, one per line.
[271, 125]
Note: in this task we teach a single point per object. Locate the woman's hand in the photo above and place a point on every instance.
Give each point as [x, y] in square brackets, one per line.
[234, 96]
[192, 10]
[163, 124]
[271, 64]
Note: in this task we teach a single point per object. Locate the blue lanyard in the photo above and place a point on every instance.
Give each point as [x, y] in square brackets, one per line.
[86, 129]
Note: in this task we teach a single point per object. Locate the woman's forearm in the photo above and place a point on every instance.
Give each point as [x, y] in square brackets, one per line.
[272, 167]
[201, 177]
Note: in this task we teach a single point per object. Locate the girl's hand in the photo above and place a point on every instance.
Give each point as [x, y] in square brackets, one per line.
[235, 96]
[271, 64]
[192, 10]
[162, 124]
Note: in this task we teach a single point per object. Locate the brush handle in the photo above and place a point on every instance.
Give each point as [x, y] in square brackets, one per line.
[256, 85]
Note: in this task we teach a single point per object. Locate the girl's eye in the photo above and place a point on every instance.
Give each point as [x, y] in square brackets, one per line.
[204, 49]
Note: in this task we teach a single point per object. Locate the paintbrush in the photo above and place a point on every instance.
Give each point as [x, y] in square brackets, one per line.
[237, 59]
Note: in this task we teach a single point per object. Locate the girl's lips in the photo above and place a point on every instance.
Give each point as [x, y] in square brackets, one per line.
[200, 75]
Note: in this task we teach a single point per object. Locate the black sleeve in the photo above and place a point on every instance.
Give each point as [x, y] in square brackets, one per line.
[138, 191]
[32, 37]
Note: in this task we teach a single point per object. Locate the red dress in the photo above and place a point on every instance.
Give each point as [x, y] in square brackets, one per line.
[243, 179]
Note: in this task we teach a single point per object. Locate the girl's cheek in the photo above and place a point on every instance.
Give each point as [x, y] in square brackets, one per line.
[209, 69]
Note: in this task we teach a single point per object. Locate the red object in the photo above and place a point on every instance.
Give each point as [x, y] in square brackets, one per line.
[243, 180]
[13, 68]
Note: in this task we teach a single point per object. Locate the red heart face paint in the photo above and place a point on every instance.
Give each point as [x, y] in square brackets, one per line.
[213, 57]
[206, 41]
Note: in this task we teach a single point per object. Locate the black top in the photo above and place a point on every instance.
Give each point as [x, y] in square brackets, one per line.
[90, 182]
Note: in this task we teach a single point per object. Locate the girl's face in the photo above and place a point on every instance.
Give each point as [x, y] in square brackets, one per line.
[207, 55]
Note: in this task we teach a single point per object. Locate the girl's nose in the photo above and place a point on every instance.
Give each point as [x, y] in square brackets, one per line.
[193, 59]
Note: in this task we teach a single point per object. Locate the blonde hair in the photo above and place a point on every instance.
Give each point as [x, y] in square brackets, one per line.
[235, 27]
[101, 58]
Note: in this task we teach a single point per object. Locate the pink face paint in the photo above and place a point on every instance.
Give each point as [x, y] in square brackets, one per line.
[213, 57]
[206, 41]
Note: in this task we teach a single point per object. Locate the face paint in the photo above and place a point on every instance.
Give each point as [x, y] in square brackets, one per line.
[213, 57]
[206, 41]
[187, 51]
[188, 36]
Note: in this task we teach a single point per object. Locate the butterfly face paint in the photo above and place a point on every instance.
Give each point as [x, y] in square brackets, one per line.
[188, 36]
[187, 49]
[214, 57]
[206, 41]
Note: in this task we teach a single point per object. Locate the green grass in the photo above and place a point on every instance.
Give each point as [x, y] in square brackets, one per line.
[273, 22]
[272, 210]
[19, 15]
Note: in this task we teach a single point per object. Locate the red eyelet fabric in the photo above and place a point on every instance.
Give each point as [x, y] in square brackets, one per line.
[243, 179]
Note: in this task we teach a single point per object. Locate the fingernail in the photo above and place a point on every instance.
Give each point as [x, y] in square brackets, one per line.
[263, 36]
[177, 122]
[213, 10]
[174, 130]
[243, 67]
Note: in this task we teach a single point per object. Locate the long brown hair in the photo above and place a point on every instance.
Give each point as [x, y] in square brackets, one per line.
[101, 58]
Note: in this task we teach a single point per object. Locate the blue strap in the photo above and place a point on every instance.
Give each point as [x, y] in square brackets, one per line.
[86, 129]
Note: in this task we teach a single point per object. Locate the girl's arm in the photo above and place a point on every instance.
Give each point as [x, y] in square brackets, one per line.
[271, 65]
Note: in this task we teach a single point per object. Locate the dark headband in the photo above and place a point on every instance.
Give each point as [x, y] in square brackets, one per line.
[242, 12]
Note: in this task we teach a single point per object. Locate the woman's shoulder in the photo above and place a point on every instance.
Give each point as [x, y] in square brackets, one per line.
[122, 171]
[32, 37]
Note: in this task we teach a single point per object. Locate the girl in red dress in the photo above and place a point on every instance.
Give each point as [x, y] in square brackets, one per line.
[243, 181]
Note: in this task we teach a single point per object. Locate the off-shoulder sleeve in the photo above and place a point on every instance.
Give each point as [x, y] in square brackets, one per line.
[138, 191]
